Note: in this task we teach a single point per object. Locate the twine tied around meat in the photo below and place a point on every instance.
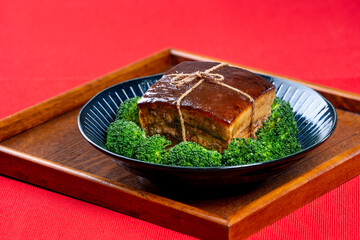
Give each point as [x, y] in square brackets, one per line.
[179, 79]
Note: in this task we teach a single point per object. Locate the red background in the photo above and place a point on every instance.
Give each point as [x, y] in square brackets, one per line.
[48, 47]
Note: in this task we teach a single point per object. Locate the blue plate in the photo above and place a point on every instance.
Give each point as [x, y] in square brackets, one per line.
[315, 116]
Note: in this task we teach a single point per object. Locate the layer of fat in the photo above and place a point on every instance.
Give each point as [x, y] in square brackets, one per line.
[241, 125]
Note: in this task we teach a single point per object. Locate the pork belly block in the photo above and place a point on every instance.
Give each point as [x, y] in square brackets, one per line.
[213, 114]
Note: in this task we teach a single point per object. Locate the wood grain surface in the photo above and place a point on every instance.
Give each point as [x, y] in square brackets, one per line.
[50, 152]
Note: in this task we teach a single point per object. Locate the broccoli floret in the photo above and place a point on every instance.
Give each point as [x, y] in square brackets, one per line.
[129, 111]
[123, 137]
[279, 131]
[190, 154]
[244, 151]
[152, 149]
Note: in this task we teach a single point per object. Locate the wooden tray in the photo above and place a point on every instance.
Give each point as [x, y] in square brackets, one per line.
[43, 146]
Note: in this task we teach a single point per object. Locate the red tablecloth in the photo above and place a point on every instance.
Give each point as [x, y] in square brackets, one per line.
[48, 47]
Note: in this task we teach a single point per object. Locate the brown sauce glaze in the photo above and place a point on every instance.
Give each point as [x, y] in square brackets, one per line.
[219, 102]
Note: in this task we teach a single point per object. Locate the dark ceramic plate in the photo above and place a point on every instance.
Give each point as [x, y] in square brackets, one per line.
[315, 116]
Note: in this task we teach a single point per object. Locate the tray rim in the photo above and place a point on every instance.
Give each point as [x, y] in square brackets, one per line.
[11, 125]
[227, 228]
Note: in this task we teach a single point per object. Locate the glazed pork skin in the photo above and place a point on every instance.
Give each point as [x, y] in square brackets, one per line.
[213, 114]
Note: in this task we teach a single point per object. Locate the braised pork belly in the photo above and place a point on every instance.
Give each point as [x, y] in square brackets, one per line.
[214, 112]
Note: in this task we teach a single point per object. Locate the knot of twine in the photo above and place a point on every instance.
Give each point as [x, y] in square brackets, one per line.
[184, 78]
[180, 79]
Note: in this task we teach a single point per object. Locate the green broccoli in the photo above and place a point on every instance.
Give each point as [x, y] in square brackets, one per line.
[123, 137]
[275, 139]
[152, 149]
[244, 151]
[128, 110]
[279, 131]
[190, 154]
